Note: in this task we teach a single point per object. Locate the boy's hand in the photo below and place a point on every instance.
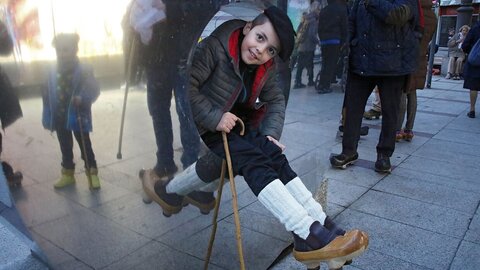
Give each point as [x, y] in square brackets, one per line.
[228, 121]
[270, 138]
[76, 101]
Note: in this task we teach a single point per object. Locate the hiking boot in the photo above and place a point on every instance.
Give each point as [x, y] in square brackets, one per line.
[372, 114]
[342, 160]
[363, 130]
[94, 177]
[382, 165]
[66, 179]
[323, 245]
[408, 135]
[399, 136]
[205, 201]
[299, 85]
[471, 114]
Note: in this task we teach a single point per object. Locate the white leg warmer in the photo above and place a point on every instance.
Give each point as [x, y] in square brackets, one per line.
[276, 198]
[303, 196]
[185, 182]
[211, 187]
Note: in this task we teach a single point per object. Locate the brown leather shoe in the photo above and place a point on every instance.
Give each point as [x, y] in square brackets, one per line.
[154, 187]
[337, 252]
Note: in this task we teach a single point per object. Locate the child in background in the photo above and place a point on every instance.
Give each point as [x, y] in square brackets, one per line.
[67, 101]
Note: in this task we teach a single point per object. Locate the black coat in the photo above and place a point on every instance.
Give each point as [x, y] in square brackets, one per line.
[9, 106]
[471, 74]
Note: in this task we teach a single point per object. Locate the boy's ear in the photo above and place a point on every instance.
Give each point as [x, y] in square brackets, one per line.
[247, 28]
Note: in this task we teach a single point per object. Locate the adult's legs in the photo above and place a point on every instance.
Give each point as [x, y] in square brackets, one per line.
[309, 66]
[473, 99]
[159, 95]
[390, 94]
[458, 65]
[401, 111]
[188, 131]
[451, 67]
[301, 64]
[358, 89]
[411, 109]
[330, 54]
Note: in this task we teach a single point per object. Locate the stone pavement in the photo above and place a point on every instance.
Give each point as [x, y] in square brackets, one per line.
[425, 215]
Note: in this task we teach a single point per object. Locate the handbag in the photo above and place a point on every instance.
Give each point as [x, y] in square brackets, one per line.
[474, 55]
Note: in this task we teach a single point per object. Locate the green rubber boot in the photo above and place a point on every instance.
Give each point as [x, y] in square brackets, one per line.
[94, 177]
[66, 179]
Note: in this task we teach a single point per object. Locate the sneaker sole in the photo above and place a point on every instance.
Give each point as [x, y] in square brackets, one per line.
[148, 188]
[383, 171]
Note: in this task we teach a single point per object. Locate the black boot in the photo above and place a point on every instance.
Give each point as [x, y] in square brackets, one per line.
[331, 226]
[342, 160]
[205, 201]
[382, 165]
[318, 238]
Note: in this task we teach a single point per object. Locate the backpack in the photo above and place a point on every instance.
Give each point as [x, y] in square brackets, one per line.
[474, 55]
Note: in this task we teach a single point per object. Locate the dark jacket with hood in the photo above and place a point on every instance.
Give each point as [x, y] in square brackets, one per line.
[383, 41]
[215, 84]
[333, 21]
[471, 73]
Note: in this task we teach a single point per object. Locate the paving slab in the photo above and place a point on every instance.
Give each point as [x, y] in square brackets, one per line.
[405, 242]
[473, 233]
[467, 256]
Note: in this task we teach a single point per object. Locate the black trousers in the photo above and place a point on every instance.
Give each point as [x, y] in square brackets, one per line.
[358, 90]
[330, 55]
[65, 139]
[305, 60]
[254, 157]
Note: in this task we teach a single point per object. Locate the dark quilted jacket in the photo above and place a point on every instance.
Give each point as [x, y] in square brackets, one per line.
[215, 83]
[382, 37]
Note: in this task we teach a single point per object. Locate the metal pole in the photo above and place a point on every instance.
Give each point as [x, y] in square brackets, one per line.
[431, 57]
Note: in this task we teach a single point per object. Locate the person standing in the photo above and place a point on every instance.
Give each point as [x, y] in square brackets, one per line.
[417, 79]
[332, 30]
[457, 56]
[383, 52]
[307, 42]
[471, 72]
[67, 103]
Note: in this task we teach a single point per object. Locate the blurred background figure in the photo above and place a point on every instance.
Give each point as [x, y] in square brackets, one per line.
[456, 54]
[332, 30]
[472, 71]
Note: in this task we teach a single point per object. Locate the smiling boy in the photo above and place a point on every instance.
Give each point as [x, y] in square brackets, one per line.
[233, 77]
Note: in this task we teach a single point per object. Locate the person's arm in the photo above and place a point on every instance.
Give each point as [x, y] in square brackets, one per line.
[272, 124]
[203, 65]
[89, 88]
[397, 13]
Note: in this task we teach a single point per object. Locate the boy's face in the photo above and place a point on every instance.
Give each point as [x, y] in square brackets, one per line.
[66, 56]
[260, 44]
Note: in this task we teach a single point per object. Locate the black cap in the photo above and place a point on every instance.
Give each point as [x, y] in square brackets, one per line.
[284, 28]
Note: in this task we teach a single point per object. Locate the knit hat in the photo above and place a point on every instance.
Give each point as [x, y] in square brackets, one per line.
[69, 39]
[284, 28]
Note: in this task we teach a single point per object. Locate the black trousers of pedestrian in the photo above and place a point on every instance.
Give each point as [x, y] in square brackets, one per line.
[330, 55]
[358, 90]
[254, 157]
[305, 60]
[65, 139]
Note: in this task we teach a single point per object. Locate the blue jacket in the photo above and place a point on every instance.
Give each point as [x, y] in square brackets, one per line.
[85, 86]
[383, 41]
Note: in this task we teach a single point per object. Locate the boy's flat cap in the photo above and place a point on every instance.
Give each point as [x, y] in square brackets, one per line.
[284, 28]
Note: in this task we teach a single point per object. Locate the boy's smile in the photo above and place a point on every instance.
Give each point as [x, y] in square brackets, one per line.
[260, 43]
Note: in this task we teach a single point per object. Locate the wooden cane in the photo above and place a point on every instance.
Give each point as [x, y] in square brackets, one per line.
[82, 138]
[236, 216]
